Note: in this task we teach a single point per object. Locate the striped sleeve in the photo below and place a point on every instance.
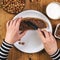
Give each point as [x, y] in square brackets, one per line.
[56, 56]
[4, 50]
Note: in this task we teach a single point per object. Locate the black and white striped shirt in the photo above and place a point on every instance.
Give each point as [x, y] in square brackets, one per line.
[5, 47]
[56, 56]
[4, 50]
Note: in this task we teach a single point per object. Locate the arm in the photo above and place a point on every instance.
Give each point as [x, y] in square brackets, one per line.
[50, 44]
[56, 55]
[4, 50]
[12, 35]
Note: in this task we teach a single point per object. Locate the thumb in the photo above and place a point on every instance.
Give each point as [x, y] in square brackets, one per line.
[22, 34]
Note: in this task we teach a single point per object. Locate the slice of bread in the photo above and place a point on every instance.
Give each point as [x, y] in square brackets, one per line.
[38, 22]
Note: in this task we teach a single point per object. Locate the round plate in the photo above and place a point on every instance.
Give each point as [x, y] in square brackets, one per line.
[32, 40]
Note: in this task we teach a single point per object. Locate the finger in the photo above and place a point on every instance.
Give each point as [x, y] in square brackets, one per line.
[51, 36]
[15, 21]
[40, 34]
[46, 34]
[22, 34]
[20, 19]
[11, 22]
[18, 22]
[8, 23]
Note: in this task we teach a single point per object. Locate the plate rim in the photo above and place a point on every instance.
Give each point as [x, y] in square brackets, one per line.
[37, 12]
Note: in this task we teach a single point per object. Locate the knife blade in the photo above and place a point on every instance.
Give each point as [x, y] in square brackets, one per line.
[34, 26]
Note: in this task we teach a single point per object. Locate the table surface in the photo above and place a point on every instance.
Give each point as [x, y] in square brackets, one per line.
[16, 54]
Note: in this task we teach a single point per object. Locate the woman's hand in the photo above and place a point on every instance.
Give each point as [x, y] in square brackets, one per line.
[49, 41]
[13, 33]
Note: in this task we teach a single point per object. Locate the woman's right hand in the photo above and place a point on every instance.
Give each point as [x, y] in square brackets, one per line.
[49, 41]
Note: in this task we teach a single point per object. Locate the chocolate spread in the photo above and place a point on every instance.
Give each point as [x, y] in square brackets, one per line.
[38, 22]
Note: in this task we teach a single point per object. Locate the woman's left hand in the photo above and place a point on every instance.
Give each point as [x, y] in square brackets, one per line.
[13, 33]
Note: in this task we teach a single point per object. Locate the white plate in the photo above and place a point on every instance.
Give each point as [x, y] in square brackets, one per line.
[32, 41]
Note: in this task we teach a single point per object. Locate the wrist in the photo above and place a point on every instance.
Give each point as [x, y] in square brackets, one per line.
[56, 54]
[8, 40]
[6, 43]
[53, 51]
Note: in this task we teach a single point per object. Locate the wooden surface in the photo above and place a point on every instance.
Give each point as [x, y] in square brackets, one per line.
[16, 54]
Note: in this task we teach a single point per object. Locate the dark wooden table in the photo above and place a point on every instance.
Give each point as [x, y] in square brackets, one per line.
[16, 54]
